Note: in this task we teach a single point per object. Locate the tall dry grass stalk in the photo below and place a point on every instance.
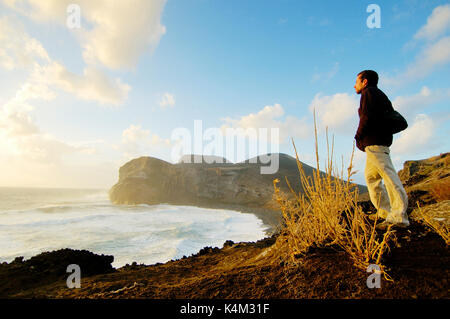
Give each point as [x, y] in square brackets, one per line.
[327, 213]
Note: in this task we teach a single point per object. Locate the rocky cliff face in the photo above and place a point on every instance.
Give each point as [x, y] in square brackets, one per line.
[150, 180]
[427, 181]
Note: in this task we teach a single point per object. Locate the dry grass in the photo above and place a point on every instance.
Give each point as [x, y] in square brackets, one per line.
[326, 213]
[428, 215]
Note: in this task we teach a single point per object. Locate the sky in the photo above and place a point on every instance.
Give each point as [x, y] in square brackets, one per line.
[86, 86]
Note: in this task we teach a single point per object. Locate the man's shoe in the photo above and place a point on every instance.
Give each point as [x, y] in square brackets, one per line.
[374, 217]
[384, 225]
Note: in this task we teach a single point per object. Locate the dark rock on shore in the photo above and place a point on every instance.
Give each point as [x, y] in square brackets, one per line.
[49, 267]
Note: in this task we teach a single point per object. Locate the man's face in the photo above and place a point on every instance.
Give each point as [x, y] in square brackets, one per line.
[359, 85]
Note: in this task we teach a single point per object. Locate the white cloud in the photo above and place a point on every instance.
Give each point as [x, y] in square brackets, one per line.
[428, 60]
[167, 100]
[22, 138]
[34, 91]
[15, 118]
[416, 137]
[434, 54]
[40, 10]
[407, 105]
[18, 49]
[43, 148]
[338, 112]
[17, 123]
[437, 23]
[31, 157]
[431, 57]
[120, 31]
[137, 141]
[93, 84]
[264, 118]
[268, 118]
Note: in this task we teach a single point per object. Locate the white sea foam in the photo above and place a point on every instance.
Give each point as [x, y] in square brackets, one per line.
[143, 233]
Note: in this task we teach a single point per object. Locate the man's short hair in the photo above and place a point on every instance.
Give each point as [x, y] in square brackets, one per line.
[371, 76]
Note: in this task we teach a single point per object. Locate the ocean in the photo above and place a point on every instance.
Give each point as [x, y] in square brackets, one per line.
[34, 220]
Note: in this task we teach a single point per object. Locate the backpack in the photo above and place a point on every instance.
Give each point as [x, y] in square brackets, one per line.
[395, 121]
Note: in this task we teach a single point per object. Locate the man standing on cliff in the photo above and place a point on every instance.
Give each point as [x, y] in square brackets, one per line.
[374, 138]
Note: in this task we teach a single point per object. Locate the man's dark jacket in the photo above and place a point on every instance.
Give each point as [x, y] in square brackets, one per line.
[372, 128]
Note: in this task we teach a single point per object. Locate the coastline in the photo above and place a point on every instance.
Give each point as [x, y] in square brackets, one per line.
[266, 223]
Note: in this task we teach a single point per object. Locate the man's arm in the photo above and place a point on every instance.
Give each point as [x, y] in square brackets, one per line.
[366, 105]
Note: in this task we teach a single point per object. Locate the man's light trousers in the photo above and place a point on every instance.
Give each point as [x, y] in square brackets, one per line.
[389, 199]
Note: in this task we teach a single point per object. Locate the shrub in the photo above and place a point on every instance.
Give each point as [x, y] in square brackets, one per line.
[327, 213]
